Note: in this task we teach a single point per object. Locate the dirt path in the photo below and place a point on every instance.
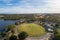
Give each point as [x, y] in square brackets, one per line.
[45, 37]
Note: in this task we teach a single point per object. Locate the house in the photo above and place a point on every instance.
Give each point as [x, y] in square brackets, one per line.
[48, 27]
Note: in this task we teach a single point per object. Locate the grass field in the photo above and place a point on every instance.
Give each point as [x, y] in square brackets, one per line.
[32, 29]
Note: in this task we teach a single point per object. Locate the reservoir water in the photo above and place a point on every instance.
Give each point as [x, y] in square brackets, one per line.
[4, 23]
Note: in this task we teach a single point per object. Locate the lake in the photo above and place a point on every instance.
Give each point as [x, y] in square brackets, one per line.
[4, 23]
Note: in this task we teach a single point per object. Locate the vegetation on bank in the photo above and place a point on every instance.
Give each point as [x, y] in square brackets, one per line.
[17, 16]
[9, 27]
[57, 33]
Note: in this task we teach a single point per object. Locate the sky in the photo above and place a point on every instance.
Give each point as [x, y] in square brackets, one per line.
[29, 6]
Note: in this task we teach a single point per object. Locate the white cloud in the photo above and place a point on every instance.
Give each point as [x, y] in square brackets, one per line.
[54, 3]
[20, 10]
[52, 6]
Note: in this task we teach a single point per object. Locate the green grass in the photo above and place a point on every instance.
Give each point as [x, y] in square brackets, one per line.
[32, 29]
[58, 30]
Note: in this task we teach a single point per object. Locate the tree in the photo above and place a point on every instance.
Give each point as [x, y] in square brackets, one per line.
[9, 27]
[55, 31]
[22, 35]
[57, 37]
[56, 25]
[13, 37]
[3, 34]
[5, 39]
[17, 23]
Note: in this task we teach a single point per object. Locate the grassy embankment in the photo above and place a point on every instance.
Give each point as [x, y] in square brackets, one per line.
[32, 29]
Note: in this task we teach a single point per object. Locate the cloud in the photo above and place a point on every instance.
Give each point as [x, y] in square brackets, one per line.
[33, 6]
[53, 6]
[22, 10]
[54, 3]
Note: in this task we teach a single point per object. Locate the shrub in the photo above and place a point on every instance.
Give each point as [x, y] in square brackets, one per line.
[2, 34]
[57, 31]
[17, 23]
[56, 25]
[13, 37]
[9, 27]
[57, 37]
[22, 35]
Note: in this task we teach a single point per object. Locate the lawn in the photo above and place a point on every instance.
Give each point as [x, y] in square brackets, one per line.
[32, 29]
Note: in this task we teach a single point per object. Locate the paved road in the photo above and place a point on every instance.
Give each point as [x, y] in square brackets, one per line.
[45, 37]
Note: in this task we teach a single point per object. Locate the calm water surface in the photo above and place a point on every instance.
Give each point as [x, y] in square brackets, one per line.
[4, 23]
